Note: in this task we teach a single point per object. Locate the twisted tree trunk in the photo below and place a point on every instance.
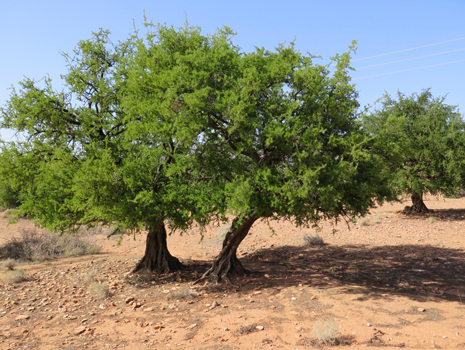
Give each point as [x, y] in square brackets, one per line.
[157, 258]
[418, 204]
[226, 263]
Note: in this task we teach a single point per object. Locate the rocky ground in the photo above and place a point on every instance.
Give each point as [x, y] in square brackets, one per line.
[389, 280]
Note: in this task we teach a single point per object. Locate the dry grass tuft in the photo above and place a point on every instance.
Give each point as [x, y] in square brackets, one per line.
[328, 333]
[14, 276]
[98, 290]
[313, 240]
[9, 264]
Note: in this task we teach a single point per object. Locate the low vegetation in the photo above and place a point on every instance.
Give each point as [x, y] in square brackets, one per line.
[313, 240]
[98, 290]
[13, 274]
[39, 246]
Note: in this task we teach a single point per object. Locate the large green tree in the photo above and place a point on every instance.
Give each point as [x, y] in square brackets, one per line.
[421, 140]
[291, 127]
[87, 161]
[278, 132]
[184, 126]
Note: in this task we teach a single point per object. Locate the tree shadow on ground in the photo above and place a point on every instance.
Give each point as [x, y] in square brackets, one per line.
[418, 272]
[437, 214]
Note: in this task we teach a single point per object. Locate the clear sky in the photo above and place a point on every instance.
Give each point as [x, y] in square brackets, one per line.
[33, 33]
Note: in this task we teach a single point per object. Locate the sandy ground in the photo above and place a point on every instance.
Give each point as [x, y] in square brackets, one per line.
[391, 281]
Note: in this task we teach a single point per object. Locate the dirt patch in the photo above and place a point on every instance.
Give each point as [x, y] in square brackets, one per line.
[389, 280]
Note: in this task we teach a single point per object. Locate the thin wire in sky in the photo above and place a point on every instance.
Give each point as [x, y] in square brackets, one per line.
[409, 59]
[413, 48]
[407, 70]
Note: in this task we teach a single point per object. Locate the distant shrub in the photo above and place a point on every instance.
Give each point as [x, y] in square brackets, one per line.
[313, 240]
[9, 264]
[47, 245]
[12, 274]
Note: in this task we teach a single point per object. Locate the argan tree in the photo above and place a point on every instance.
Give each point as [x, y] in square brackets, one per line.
[185, 127]
[292, 126]
[87, 161]
[421, 140]
[278, 133]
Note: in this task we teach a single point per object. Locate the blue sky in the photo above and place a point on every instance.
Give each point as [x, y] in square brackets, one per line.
[33, 33]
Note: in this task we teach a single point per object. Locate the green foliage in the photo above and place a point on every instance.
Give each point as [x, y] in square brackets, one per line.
[285, 135]
[9, 198]
[183, 126]
[422, 143]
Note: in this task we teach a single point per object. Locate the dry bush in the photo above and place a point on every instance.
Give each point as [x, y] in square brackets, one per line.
[47, 245]
[313, 240]
[98, 290]
[14, 276]
[327, 332]
[9, 264]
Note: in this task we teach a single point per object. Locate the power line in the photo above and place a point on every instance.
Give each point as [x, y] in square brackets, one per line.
[413, 48]
[407, 70]
[409, 59]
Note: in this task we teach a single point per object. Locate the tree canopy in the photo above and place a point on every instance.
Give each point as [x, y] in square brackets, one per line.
[422, 141]
[184, 127]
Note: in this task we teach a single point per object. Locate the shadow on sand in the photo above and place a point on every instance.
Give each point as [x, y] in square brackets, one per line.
[418, 272]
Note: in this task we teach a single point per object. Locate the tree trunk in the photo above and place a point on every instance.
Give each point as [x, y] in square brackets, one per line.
[157, 258]
[226, 263]
[418, 204]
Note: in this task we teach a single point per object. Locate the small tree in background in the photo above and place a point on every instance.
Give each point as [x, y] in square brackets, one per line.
[422, 142]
